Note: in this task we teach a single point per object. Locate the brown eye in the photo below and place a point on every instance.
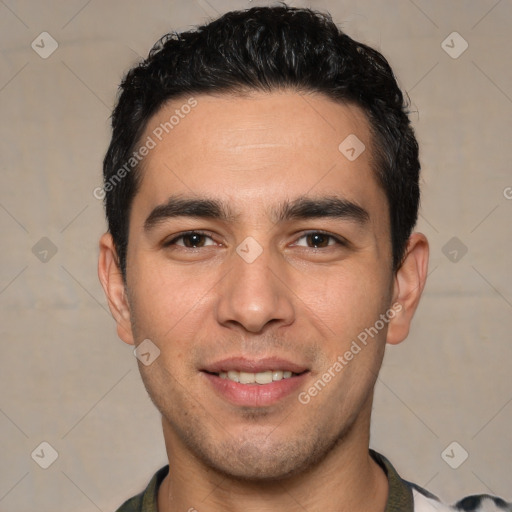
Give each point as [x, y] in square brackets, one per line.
[318, 240]
[191, 240]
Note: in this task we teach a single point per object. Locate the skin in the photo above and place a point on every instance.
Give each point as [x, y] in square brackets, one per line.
[303, 299]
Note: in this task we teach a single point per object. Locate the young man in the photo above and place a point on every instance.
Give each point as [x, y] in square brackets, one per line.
[261, 191]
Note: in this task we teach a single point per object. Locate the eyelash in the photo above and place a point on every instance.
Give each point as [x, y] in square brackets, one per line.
[185, 234]
[337, 240]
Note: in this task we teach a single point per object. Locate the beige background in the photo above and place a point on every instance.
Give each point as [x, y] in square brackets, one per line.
[68, 380]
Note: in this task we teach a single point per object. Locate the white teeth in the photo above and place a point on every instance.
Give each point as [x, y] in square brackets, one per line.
[263, 377]
[247, 378]
[235, 376]
[256, 378]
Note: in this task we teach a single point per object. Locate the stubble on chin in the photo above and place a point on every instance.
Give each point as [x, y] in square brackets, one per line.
[258, 455]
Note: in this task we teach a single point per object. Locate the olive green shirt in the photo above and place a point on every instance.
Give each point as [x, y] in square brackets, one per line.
[403, 496]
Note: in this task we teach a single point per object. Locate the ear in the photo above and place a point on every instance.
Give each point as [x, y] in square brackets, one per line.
[408, 286]
[114, 287]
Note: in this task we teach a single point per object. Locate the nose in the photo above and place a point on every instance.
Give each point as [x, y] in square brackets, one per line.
[253, 294]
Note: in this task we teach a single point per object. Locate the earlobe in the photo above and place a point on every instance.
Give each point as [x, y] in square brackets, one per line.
[113, 285]
[408, 286]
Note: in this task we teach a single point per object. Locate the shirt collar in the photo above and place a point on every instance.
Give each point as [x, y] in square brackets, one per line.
[400, 498]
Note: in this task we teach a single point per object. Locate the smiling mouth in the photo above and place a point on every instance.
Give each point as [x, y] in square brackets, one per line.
[261, 378]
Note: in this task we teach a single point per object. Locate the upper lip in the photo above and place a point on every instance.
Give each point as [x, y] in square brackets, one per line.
[245, 364]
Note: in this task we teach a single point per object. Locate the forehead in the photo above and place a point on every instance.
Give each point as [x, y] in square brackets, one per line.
[258, 148]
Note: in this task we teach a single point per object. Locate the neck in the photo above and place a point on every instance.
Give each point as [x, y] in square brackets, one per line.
[347, 478]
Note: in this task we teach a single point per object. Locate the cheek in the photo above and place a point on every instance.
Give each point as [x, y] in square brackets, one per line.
[348, 299]
[169, 306]
[157, 300]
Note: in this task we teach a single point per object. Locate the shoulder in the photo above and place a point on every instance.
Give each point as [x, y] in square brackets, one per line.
[483, 503]
[407, 496]
[132, 505]
[146, 501]
[427, 502]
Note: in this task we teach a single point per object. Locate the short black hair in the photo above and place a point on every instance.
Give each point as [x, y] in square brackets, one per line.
[267, 49]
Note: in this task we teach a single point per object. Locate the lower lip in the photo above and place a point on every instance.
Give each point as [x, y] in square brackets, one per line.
[255, 395]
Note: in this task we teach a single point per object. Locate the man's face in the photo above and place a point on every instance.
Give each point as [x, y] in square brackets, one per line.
[273, 285]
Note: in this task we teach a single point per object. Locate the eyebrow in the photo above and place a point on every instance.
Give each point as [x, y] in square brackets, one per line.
[301, 208]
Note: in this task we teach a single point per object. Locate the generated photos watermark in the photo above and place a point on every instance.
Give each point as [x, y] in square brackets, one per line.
[143, 150]
[355, 348]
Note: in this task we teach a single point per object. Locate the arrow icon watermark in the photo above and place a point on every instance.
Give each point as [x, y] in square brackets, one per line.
[351, 147]
[249, 249]
[44, 455]
[146, 352]
[44, 45]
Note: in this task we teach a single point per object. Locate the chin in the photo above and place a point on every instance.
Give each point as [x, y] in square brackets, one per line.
[258, 460]
[264, 470]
